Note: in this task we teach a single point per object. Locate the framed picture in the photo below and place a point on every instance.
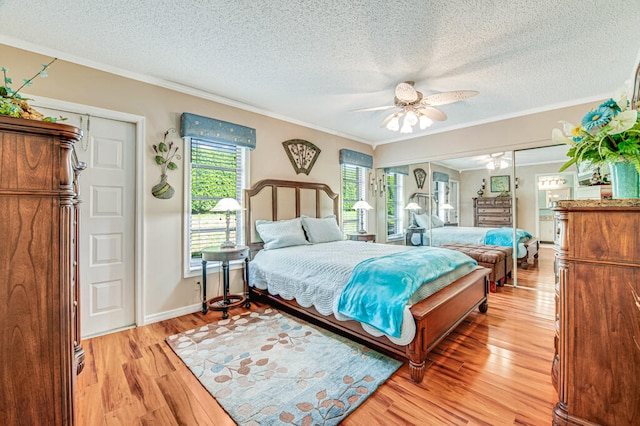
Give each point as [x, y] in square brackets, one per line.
[500, 184]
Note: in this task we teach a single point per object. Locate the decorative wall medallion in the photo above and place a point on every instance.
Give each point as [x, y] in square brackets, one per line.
[421, 176]
[302, 154]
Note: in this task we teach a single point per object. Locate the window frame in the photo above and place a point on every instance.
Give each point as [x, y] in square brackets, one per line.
[399, 207]
[193, 268]
[361, 195]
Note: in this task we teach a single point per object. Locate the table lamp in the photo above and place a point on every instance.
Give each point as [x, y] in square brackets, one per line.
[446, 207]
[412, 206]
[228, 205]
[361, 206]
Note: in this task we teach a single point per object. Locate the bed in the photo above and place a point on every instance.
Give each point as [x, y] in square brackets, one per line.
[432, 318]
[438, 234]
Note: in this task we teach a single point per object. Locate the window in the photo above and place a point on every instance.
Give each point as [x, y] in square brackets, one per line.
[395, 212]
[353, 190]
[217, 171]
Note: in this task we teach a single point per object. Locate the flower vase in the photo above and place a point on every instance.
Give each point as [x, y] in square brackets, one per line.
[625, 181]
[163, 190]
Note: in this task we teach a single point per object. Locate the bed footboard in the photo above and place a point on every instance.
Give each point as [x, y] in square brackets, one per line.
[435, 317]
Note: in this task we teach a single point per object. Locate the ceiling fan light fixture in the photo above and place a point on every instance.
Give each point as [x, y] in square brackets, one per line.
[425, 122]
[410, 118]
[392, 122]
[406, 127]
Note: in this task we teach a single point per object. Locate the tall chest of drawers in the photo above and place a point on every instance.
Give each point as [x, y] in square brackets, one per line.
[40, 352]
[492, 212]
[596, 367]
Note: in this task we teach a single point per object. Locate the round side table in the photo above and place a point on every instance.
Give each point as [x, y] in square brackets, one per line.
[226, 301]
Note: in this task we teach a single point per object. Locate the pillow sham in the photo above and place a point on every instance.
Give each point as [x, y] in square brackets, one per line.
[422, 220]
[281, 233]
[436, 221]
[321, 230]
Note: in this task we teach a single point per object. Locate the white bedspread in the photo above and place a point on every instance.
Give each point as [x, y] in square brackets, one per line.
[314, 275]
[459, 234]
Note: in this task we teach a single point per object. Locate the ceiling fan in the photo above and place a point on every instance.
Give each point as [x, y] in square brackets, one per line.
[416, 108]
[498, 161]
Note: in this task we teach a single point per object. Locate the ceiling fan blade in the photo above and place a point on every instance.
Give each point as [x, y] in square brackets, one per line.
[406, 93]
[433, 113]
[448, 97]
[380, 108]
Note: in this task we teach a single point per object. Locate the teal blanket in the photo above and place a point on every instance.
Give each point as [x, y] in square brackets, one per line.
[504, 236]
[379, 288]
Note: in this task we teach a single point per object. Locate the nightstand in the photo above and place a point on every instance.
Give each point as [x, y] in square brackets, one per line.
[362, 237]
[409, 234]
[226, 301]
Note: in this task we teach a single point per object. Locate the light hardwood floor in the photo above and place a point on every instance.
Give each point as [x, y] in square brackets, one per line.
[494, 369]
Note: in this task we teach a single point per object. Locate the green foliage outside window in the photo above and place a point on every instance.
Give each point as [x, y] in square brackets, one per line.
[216, 173]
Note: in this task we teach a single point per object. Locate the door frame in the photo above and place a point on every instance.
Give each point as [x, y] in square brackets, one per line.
[138, 243]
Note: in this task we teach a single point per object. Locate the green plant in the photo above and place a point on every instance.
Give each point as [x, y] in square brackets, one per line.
[166, 153]
[608, 133]
[14, 105]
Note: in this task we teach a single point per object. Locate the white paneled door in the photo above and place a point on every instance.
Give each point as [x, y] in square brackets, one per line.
[107, 223]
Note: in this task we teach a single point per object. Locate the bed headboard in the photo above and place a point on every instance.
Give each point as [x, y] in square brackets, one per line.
[272, 199]
[423, 199]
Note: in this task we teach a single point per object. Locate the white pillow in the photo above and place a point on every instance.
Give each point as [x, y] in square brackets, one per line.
[282, 233]
[321, 230]
[436, 221]
[422, 220]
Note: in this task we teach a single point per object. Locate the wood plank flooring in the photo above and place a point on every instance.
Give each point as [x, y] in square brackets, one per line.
[494, 369]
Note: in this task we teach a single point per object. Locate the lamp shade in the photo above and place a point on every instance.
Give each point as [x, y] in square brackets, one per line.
[412, 206]
[227, 204]
[362, 205]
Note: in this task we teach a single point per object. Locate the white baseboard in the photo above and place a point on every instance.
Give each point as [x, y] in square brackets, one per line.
[161, 316]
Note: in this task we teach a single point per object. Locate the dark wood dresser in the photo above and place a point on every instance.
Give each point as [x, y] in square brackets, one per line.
[40, 351]
[492, 212]
[596, 368]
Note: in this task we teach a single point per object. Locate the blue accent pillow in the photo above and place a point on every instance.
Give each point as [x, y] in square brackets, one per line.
[422, 220]
[436, 221]
[321, 230]
[281, 233]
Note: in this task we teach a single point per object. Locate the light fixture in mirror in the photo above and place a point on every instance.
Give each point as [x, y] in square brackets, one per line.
[412, 207]
[497, 162]
[550, 182]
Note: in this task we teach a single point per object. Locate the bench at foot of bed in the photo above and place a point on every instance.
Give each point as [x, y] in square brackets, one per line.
[497, 258]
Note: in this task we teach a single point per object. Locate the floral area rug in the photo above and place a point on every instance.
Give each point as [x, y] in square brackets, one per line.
[267, 367]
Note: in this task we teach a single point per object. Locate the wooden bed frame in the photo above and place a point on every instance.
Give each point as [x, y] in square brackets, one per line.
[435, 316]
[532, 245]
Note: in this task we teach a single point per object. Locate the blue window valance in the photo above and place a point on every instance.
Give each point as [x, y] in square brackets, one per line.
[356, 158]
[212, 130]
[440, 177]
[399, 170]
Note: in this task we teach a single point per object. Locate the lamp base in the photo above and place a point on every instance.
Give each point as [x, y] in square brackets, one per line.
[228, 244]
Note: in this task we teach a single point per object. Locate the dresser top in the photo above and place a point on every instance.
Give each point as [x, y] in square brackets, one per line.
[625, 202]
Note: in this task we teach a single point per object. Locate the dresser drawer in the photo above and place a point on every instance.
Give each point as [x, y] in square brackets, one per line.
[494, 219]
[494, 210]
[494, 202]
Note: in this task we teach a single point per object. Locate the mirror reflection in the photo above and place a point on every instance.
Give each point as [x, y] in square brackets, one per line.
[471, 202]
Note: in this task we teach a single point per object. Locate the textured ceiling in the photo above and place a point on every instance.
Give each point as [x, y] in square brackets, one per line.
[314, 62]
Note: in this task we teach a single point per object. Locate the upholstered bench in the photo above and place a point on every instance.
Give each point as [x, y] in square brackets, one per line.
[497, 258]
